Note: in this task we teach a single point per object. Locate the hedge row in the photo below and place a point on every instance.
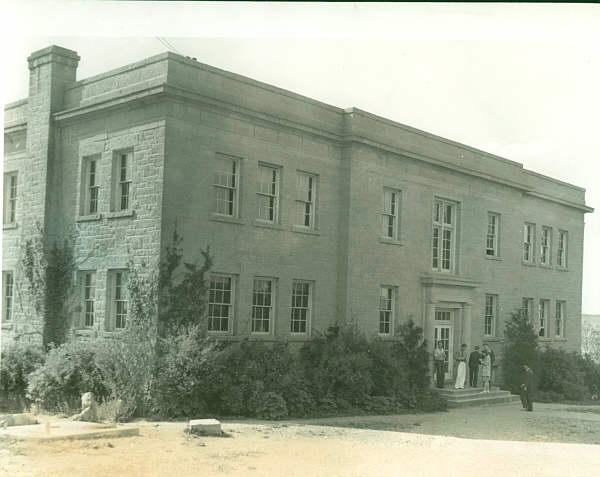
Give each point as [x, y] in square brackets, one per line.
[191, 375]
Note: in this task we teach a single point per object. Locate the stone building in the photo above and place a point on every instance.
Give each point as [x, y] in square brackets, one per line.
[315, 215]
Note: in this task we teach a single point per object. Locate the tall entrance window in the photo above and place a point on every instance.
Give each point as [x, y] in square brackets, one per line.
[543, 318]
[444, 236]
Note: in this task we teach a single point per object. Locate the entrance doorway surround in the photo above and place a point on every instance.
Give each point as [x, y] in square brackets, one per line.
[447, 303]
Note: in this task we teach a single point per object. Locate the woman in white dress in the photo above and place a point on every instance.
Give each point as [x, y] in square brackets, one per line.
[486, 371]
[461, 373]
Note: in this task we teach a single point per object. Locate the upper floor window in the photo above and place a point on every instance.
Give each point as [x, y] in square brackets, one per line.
[268, 193]
[528, 309]
[528, 242]
[263, 305]
[118, 298]
[391, 203]
[386, 310]
[543, 318]
[444, 235]
[220, 303]
[122, 166]
[546, 246]
[226, 185]
[10, 198]
[492, 237]
[561, 250]
[89, 297]
[306, 185]
[7, 296]
[559, 329]
[489, 321]
[91, 186]
[301, 306]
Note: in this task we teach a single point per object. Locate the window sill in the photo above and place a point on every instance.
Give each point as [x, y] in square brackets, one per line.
[293, 337]
[528, 264]
[119, 214]
[561, 269]
[261, 337]
[390, 241]
[561, 339]
[226, 218]
[89, 218]
[7, 326]
[304, 230]
[493, 257]
[86, 332]
[492, 339]
[547, 266]
[267, 225]
[10, 226]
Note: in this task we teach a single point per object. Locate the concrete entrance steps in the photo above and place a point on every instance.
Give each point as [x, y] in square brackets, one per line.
[474, 397]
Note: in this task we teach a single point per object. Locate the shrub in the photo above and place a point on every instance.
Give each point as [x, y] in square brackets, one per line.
[68, 371]
[412, 353]
[187, 374]
[560, 374]
[520, 347]
[339, 365]
[271, 405]
[16, 364]
[127, 366]
[430, 401]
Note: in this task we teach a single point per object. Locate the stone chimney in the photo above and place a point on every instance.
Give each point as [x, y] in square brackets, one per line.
[51, 71]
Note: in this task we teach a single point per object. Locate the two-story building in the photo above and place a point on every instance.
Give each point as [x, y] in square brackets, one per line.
[315, 215]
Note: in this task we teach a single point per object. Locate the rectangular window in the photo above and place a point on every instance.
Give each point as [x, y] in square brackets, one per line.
[444, 235]
[489, 322]
[118, 298]
[389, 218]
[89, 296]
[91, 187]
[7, 296]
[493, 228]
[543, 318]
[443, 315]
[122, 165]
[10, 198]
[306, 185]
[268, 193]
[262, 305]
[559, 329]
[386, 310]
[528, 242]
[546, 246]
[301, 306]
[561, 251]
[220, 303]
[528, 309]
[226, 185]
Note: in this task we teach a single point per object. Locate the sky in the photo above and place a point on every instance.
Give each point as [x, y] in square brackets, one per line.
[517, 80]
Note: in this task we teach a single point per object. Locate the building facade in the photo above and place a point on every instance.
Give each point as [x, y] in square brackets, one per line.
[315, 215]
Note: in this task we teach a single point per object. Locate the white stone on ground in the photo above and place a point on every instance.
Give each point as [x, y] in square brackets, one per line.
[206, 427]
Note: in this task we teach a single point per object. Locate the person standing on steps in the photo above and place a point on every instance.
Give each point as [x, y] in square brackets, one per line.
[486, 370]
[461, 372]
[439, 358]
[474, 361]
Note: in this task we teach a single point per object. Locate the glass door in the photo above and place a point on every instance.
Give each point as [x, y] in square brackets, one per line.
[443, 333]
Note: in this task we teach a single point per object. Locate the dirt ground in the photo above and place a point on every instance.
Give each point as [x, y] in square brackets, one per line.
[502, 440]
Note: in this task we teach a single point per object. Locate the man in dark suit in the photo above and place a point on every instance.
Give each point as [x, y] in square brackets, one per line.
[527, 388]
[474, 361]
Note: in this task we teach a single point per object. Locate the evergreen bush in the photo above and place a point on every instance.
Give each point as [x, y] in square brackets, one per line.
[16, 363]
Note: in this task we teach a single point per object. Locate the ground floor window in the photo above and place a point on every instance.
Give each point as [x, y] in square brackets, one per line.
[89, 297]
[386, 310]
[543, 318]
[119, 298]
[262, 305]
[7, 296]
[489, 323]
[560, 319]
[220, 303]
[301, 306]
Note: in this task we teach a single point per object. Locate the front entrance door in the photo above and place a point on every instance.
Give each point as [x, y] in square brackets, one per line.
[443, 333]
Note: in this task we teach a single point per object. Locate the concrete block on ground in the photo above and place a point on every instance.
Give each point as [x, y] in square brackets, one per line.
[205, 427]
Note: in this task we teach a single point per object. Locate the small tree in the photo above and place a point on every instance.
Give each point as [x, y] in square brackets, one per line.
[412, 350]
[520, 347]
[181, 299]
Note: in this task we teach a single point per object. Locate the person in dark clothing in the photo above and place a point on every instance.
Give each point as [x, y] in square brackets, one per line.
[439, 358]
[474, 362]
[527, 388]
